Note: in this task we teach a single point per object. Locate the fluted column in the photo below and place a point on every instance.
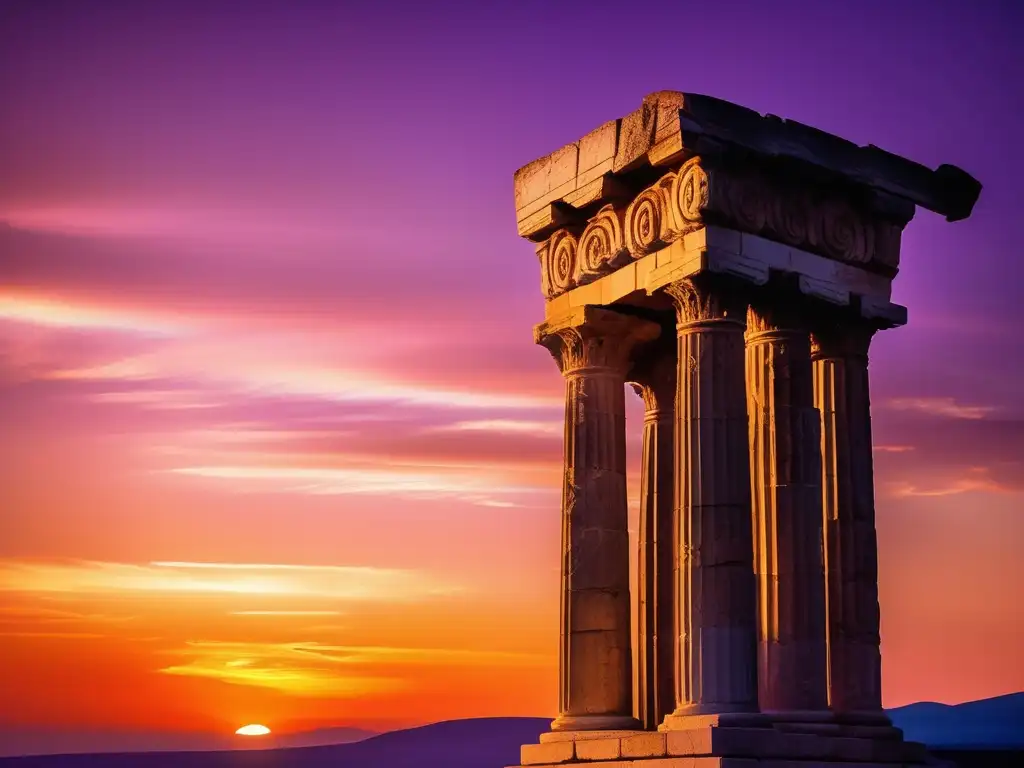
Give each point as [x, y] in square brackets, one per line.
[840, 358]
[592, 347]
[654, 379]
[715, 648]
[785, 460]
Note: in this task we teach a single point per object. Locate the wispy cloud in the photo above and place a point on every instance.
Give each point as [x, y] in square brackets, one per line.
[466, 483]
[977, 479]
[508, 426]
[249, 377]
[57, 313]
[38, 614]
[55, 635]
[320, 670]
[161, 399]
[164, 222]
[279, 666]
[940, 406]
[277, 580]
[893, 448]
[284, 613]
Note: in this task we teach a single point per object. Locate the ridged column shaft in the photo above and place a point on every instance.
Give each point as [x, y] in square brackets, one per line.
[595, 659]
[654, 381]
[841, 394]
[715, 650]
[785, 460]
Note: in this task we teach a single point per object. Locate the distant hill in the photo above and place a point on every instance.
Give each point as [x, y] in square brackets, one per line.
[495, 742]
[19, 740]
[476, 743]
[996, 722]
[322, 737]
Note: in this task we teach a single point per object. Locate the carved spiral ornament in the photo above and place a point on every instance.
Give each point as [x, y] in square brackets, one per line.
[600, 248]
[690, 194]
[561, 261]
[749, 204]
[791, 218]
[817, 219]
[843, 235]
[645, 221]
[886, 244]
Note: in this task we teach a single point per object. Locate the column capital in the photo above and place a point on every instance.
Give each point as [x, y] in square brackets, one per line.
[706, 298]
[771, 315]
[835, 339]
[653, 377]
[588, 338]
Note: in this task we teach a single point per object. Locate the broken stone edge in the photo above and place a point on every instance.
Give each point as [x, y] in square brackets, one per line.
[671, 126]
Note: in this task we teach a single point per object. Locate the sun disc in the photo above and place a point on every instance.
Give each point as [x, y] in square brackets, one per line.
[253, 729]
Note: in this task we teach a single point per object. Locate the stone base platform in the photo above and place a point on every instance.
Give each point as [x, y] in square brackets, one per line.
[757, 744]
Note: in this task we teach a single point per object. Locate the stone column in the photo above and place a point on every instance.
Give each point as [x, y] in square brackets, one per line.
[785, 460]
[840, 356]
[654, 379]
[592, 348]
[715, 648]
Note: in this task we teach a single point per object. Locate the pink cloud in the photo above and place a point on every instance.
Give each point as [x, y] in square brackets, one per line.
[976, 479]
[940, 406]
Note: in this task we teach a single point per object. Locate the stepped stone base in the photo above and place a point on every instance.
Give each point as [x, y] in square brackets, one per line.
[756, 744]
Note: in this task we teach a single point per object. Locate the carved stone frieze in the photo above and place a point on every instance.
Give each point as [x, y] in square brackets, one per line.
[601, 247]
[648, 220]
[749, 200]
[558, 263]
[688, 198]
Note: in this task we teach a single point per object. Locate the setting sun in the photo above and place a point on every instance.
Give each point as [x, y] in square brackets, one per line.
[252, 730]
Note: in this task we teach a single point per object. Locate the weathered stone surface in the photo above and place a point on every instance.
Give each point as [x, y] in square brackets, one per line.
[671, 126]
[654, 379]
[644, 745]
[724, 720]
[841, 394]
[752, 259]
[785, 460]
[599, 749]
[746, 747]
[794, 192]
[765, 742]
[757, 479]
[746, 742]
[592, 348]
[715, 649]
[605, 735]
[601, 247]
[546, 754]
[676, 762]
[774, 217]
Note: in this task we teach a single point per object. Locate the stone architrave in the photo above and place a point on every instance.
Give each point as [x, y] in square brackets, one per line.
[715, 649]
[654, 379]
[592, 348]
[840, 357]
[785, 461]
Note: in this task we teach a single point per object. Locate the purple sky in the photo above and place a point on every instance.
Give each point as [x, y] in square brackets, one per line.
[244, 243]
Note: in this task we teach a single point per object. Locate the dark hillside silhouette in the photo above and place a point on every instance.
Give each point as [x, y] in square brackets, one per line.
[996, 724]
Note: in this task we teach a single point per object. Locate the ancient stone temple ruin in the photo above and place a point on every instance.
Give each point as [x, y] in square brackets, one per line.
[732, 268]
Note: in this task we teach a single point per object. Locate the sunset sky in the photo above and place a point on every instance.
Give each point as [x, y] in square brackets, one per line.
[277, 446]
